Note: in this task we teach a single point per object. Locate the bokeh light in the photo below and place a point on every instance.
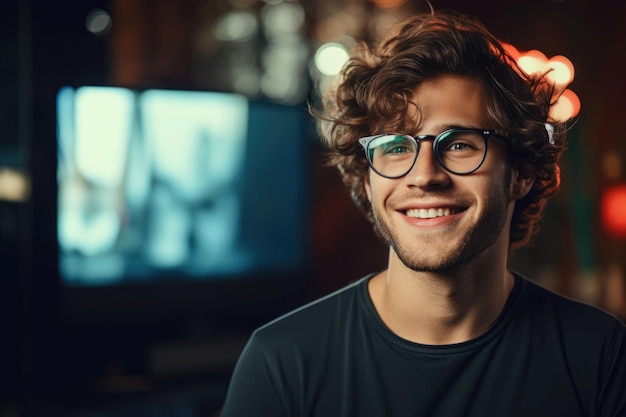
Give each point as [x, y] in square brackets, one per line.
[511, 50]
[611, 164]
[532, 61]
[98, 22]
[330, 58]
[613, 210]
[238, 25]
[282, 19]
[14, 185]
[562, 70]
[388, 4]
[559, 68]
[566, 107]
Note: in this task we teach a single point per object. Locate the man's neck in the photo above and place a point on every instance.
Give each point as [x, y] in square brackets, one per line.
[441, 308]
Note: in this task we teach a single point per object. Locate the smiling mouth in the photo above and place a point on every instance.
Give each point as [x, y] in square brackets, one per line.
[432, 212]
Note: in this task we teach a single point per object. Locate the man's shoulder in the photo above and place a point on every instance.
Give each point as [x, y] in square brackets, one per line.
[571, 313]
[317, 317]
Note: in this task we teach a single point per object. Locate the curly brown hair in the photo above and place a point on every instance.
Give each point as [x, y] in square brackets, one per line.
[378, 84]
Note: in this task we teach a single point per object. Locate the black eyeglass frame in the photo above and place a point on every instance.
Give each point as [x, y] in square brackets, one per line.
[485, 133]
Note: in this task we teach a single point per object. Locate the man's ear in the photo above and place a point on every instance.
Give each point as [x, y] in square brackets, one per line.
[368, 189]
[522, 180]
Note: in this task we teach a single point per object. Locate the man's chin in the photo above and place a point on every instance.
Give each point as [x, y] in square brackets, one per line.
[434, 266]
[436, 261]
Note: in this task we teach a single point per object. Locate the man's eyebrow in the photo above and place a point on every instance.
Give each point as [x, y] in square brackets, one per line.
[444, 127]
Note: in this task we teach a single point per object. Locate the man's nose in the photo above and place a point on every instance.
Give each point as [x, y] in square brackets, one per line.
[427, 172]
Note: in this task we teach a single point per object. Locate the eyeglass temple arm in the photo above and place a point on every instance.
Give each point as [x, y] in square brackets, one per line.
[363, 141]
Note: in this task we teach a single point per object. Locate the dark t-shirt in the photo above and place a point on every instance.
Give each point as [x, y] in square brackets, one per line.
[545, 355]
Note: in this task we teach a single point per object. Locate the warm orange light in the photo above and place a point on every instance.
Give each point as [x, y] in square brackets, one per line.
[562, 70]
[611, 164]
[613, 210]
[559, 68]
[566, 107]
[388, 4]
[511, 50]
[532, 61]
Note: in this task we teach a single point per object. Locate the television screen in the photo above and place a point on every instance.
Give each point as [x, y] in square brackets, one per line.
[161, 185]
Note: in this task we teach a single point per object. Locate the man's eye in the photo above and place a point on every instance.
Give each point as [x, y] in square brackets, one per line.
[459, 146]
[397, 149]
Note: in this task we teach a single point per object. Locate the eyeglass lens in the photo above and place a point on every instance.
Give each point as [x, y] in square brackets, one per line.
[459, 152]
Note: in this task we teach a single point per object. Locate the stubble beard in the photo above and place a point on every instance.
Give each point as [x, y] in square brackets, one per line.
[482, 234]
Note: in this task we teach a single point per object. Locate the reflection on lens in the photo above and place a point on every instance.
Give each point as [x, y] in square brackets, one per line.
[392, 155]
[460, 151]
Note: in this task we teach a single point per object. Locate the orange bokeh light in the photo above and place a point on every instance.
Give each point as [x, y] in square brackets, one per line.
[566, 107]
[562, 70]
[532, 61]
[511, 50]
[559, 68]
[388, 4]
[613, 210]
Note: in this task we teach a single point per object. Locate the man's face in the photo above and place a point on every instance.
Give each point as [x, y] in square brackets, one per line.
[432, 219]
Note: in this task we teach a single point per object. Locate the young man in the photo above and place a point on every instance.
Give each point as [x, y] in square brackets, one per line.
[443, 143]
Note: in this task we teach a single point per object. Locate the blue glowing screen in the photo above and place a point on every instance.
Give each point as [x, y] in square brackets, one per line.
[164, 184]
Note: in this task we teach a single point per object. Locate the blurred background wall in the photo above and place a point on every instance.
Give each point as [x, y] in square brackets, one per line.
[274, 50]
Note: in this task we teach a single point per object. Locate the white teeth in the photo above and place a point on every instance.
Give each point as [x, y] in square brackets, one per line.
[429, 213]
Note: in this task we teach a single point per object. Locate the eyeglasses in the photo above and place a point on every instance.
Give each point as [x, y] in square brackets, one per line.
[459, 151]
